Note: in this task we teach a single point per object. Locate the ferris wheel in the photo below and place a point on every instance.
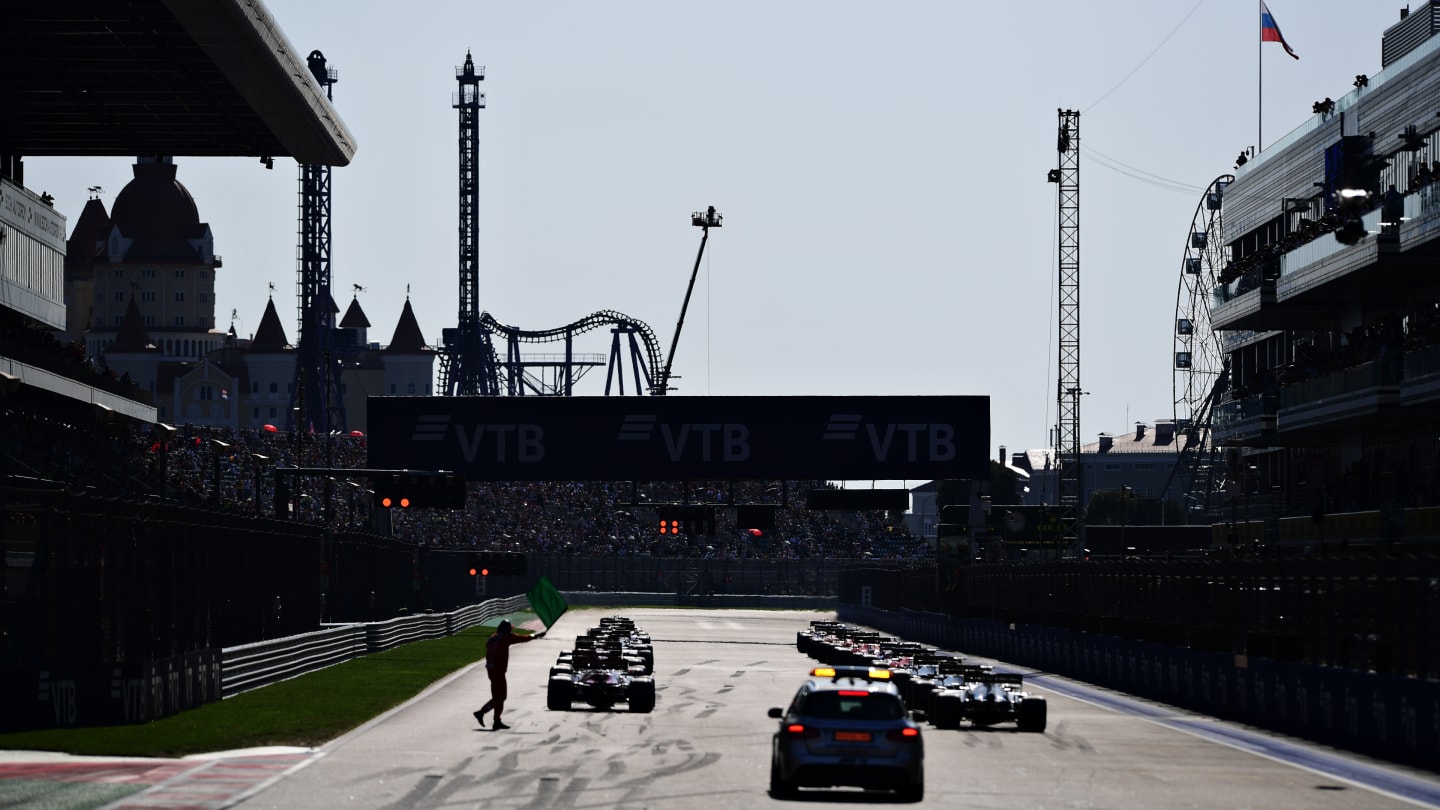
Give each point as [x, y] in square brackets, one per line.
[1198, 359]
[1198, 362]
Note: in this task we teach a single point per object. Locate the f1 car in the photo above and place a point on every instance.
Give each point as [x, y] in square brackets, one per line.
[986, 698]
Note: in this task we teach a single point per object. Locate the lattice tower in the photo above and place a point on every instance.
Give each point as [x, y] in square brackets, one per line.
[467, 360]
[315, 399]
[1068, 391]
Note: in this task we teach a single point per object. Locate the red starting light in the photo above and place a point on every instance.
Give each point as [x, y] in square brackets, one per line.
[386, 502]
[484, 572]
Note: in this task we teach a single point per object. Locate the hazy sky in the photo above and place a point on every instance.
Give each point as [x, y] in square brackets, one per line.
[880, 167]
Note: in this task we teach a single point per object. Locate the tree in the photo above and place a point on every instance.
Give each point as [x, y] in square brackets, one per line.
[1004, 485]
[1122, 506]
[1119, 507]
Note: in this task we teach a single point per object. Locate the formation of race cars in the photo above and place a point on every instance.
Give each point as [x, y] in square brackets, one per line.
[940, 684]
[855, 721]
[612, 663]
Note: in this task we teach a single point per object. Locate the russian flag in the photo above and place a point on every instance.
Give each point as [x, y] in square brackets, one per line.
[1270, 32]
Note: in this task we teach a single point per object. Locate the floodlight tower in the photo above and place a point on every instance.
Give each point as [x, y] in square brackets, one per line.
[315, 400]
[467, 360]
[1066, 177]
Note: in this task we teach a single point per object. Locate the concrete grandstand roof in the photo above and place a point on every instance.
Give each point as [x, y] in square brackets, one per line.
[160, 77]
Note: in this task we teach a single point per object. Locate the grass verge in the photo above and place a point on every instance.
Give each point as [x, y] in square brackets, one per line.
[305, 711]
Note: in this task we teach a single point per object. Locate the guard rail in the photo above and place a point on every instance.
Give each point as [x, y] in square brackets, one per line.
[251, 666]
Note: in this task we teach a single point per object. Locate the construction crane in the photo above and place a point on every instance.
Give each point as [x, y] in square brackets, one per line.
[705, 220]
[315, 399]
[1066, 177]
[468, 366]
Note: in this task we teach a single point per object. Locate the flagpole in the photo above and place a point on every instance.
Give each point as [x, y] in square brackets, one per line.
[1260, 79]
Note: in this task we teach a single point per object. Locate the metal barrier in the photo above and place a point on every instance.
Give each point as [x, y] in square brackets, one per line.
[392, 633]
[250, 666]
[627, 599]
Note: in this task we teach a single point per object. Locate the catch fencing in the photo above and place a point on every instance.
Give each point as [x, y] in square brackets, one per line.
[691, 577]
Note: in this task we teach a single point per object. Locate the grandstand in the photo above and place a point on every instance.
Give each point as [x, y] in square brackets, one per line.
[1327, 311]
[103, 563]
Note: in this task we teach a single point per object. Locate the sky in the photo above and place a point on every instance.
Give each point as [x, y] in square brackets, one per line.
[880, 168]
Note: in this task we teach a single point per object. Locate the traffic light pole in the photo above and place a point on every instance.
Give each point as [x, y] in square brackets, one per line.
[439, 489]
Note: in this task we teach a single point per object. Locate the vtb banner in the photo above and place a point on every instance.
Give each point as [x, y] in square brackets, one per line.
[678, 438]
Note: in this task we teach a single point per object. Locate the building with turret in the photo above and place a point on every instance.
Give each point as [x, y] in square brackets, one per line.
[153, 249]
[140, 297]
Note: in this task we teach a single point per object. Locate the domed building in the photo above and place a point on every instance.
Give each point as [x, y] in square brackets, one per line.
[157, 251]
[140, 295]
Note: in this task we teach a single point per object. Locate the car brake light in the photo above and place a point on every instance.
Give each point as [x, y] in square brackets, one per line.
[902, 734]
[802, 731]
[853, 693]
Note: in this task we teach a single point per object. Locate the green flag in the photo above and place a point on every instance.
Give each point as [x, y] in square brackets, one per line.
[547, 602]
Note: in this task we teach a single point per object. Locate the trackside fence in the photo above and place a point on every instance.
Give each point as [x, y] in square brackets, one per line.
[664, 599]
[1388, 716]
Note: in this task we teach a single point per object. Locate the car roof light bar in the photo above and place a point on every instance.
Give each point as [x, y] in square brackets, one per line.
[866, 673]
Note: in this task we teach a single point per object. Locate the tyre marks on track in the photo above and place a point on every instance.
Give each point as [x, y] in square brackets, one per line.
[556, 778]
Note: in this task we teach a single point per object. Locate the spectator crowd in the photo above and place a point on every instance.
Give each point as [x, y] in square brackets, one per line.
[235, 471]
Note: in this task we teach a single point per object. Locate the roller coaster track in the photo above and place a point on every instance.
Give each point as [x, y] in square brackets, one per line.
[521, 376]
